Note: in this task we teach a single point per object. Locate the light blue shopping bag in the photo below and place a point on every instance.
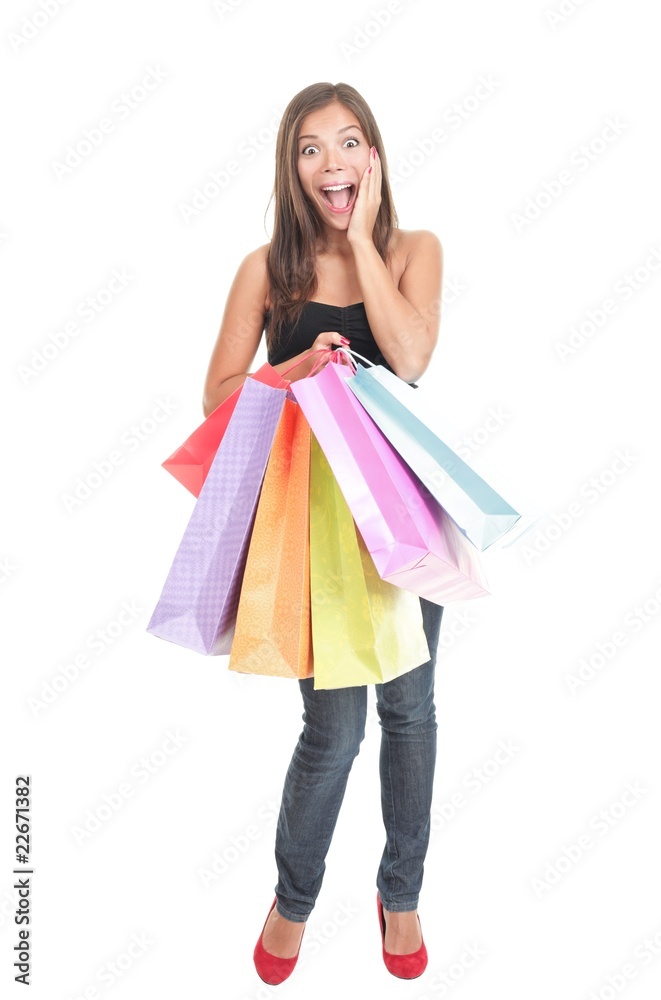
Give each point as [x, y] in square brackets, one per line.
[480, 513]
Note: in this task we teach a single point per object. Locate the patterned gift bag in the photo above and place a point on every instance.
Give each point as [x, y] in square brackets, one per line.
[198, 604]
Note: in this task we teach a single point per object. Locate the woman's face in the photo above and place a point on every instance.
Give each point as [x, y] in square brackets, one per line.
[332, 152]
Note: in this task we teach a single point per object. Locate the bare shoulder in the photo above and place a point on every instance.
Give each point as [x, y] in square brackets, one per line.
[253, 272]
[258, 257]
[411, 242]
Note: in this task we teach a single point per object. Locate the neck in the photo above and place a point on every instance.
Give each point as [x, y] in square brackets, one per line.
[334, 243]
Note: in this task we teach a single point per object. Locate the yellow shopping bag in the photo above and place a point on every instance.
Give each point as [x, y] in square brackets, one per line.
[364, 630]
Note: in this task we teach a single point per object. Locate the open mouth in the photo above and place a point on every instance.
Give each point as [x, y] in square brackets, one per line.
[339, 197]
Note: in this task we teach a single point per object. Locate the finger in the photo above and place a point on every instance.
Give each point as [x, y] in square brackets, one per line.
[376, 163]
[375, 175]
[334, 337]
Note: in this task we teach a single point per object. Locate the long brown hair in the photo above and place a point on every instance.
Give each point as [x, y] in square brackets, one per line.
[297, 227]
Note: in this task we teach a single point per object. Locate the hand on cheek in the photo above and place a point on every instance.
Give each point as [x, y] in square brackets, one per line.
[366, 208]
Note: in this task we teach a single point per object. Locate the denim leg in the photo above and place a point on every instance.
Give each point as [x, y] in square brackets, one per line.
[334, 727]
[407, 761]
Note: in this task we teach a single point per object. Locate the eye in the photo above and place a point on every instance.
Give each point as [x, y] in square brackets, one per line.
[355, 142]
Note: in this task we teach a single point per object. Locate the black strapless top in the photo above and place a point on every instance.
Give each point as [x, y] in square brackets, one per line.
[350, 321]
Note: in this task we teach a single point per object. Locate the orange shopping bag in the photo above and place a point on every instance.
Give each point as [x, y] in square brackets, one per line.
[273, 625]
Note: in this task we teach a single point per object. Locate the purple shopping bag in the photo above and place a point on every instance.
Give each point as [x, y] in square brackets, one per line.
[197, 607]
[412, 540]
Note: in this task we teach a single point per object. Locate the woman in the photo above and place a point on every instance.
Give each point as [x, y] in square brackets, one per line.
[338, 271]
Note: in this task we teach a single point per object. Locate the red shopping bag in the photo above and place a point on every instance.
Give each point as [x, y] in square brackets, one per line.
[191, 461]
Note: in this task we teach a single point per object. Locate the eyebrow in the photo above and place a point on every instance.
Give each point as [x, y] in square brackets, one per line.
[347, 128]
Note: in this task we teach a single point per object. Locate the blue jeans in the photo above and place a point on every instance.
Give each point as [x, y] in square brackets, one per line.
[334, 727]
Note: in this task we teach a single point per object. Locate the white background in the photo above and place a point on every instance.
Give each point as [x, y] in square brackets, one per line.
[505, 662]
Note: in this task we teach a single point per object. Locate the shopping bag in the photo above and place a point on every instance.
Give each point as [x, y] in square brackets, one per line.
[364, 630]
[272, 634]
[191, 461]
[477, 509]
[412, 540]
[197, 607]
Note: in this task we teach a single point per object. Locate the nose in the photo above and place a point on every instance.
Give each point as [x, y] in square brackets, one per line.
[333, 159]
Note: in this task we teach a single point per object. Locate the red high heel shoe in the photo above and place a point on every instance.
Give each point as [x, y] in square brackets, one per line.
[403, 966]
[270, 968]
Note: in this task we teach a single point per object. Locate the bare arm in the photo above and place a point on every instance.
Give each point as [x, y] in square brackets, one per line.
[240, 333]
[404, 321]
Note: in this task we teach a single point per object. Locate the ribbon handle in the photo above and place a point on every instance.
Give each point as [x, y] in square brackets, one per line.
[335, 357]
[321, 351]
[354, 354]
[300, 362]
[370, 363]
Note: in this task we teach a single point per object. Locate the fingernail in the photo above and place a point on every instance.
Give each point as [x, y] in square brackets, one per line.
[373, 152]
[369, 171]
[344, 340]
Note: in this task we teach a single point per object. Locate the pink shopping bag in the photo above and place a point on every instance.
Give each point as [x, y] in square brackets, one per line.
[412, 540]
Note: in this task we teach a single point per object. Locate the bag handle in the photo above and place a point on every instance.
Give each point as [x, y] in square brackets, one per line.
[334, 356]
[370, 363]
[300, 361]
[354, 354]
[296, 363]
[318, 362]
[322, 351]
